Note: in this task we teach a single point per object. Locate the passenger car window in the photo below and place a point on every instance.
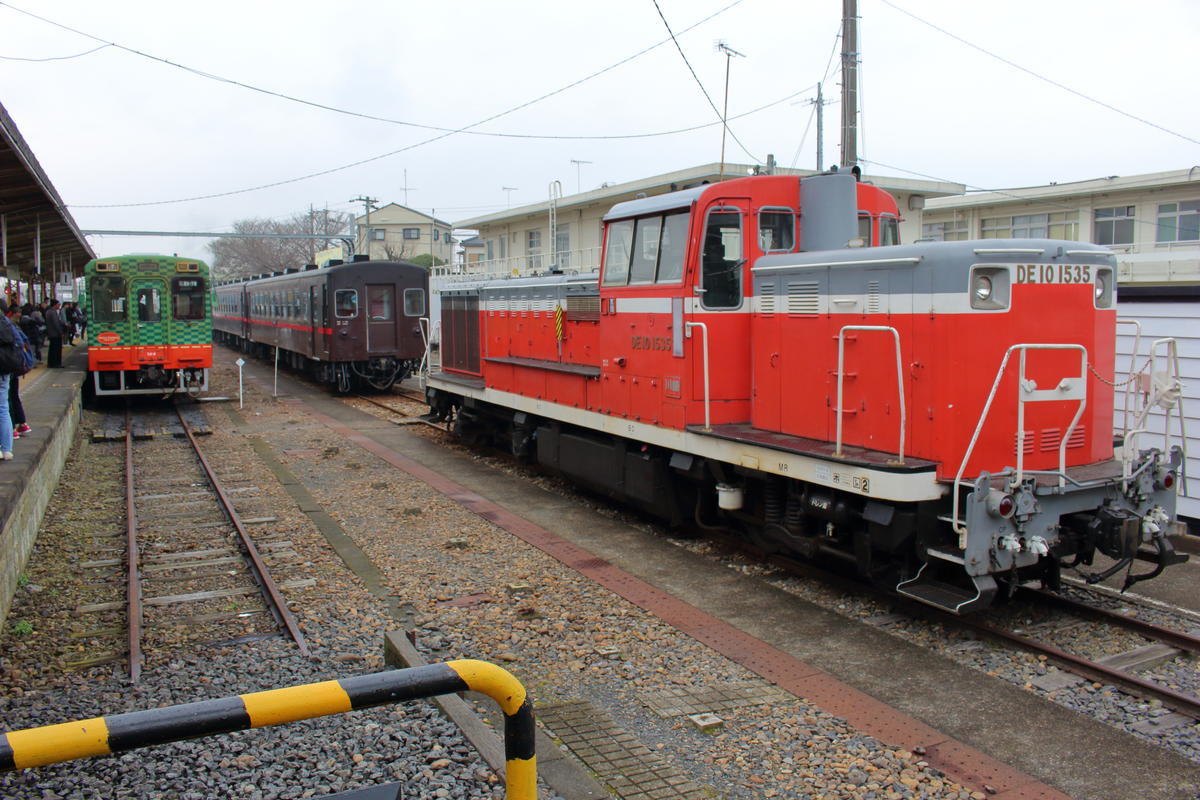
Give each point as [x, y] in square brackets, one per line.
[345, 303]
[414, 303]
[187, 297]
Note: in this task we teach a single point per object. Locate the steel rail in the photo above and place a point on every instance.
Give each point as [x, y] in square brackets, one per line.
[266, 584]
[395, 410]
[133, 577]
[1183, 703]
[1184, 641]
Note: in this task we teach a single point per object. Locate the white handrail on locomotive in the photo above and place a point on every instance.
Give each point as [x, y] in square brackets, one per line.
[1161, 389]
[1026, 392]
[703, 329]
[841, 367]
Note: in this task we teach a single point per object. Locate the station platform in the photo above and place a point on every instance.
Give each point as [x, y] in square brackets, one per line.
[51, 398]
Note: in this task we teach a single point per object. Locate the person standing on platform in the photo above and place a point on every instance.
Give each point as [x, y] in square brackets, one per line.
[33, 324]
[7, 337]
[16, 410]
[55, 328]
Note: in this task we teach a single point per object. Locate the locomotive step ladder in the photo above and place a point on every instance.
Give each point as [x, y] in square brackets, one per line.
[960, 595]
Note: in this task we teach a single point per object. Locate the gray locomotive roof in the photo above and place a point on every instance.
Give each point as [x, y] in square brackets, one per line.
[659, 202]
[975, 251]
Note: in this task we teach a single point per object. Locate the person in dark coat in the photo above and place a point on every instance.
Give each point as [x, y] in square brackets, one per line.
[16, 411]
[55, 328]
[33, 325]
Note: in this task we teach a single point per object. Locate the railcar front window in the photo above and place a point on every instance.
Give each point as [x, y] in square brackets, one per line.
[864, 229]
[616, 257]
[148, 305]
[673, 248]
[645, 250]
[108, 299]
[379, 303]
[414, 303]
[776, 231]
[345, 302]
[187, 298]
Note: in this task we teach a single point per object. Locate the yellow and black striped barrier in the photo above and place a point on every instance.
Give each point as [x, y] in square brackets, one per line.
[36, 747]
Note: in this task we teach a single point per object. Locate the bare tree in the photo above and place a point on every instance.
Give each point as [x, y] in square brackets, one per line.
[235, 258]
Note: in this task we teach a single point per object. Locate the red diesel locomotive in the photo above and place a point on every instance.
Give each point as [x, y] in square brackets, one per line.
[762, 355]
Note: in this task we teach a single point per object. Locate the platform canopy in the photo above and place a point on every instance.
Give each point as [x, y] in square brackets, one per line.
[35, 226]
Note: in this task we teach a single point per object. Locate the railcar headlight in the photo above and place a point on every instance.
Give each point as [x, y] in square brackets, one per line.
[1001, 504]
[983, 287]
[1166, 479]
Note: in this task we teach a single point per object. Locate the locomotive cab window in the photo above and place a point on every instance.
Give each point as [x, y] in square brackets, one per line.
[776, 230]
[345, 303]
[721, 263]
[149, 307]
[889, 230]
[616, 256]
[414, 303]
[108, 298]
[864, 230]
[645, 250]
[187, 298]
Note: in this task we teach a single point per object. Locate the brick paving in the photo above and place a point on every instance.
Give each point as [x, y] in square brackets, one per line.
[715, 699]
[620, 761]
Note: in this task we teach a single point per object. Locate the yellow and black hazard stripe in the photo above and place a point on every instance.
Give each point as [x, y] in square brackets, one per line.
[51, 744]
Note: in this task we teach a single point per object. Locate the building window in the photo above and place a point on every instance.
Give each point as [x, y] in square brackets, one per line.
[954, 230]
[1064, 225]
[562, 245]
[996, 228]
[446, 237]
[1179, 222]
[533, 248]
[377, 234]
[1113, 225]
[412, 233]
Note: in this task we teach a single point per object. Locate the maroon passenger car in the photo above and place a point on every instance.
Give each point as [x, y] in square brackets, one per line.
[352, 325]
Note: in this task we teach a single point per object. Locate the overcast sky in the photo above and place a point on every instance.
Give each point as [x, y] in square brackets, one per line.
[113, 127]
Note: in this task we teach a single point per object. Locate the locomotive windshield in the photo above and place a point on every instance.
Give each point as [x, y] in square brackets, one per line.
[148, 305]
[646, 250]
[108, 298]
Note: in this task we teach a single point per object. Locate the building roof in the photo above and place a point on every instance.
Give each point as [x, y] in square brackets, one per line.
[28, 202]
[686, 178]
[362, 220]
[1058, 191]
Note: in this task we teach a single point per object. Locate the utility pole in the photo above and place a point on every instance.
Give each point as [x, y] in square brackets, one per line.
[729, 54]
[368, 203]
[820, 103]
[406, 187]
[849, 83]
[578, 164]
[508, 190]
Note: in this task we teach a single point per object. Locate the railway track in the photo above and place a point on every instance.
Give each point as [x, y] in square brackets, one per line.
[193, 575]
[1117, 669]
[405, 394]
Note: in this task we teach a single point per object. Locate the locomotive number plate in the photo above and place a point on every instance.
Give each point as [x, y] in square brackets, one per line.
[1054, 273]
[845, 480]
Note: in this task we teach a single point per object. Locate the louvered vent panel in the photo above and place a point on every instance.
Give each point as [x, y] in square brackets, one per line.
[1078, 438]
[583, 308]
[803, 297]
[766, 300]
[873, 300]
[1028, 442]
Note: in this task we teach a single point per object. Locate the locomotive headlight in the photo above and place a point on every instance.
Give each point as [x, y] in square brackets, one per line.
[1001, 504]
[1165, 479]
[983, 288]
[988, 289]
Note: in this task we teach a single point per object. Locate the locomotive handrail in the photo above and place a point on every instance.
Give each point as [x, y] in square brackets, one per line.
[1026, 392]
[703, 329]
[51, 744]
[1167, 397]
[841, 371]
[1133, 354]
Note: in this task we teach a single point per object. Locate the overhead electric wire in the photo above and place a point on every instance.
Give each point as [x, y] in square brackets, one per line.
[1040, 77]
[57, 58]
[720, 116]
[837, 37]
[324, 107]
[386, 155]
